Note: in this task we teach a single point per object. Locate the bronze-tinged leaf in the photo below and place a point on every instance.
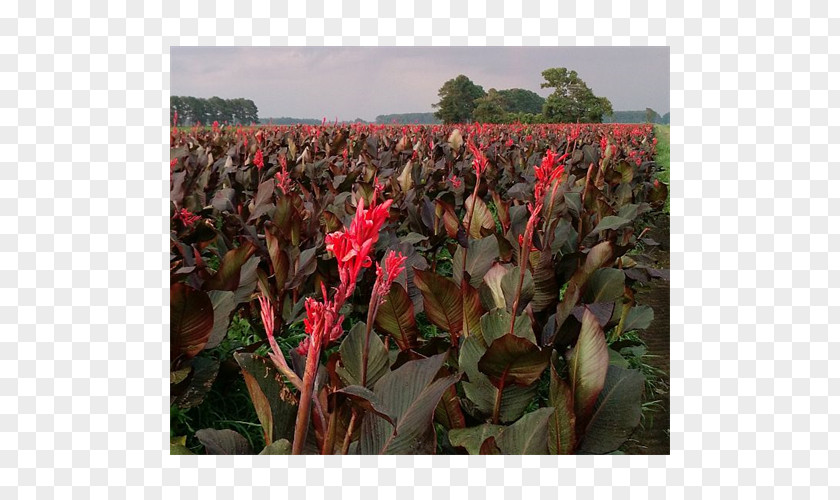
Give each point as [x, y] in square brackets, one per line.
[441, 301]
[275, 404]
[410, 394]
[228, 275]
[490, 291]
[279, 447]
[472, 438]
[277, 252]
[480, 258]
[617, 411]
[396, 318]
[526, 436]
[513, 360]
[223, 306]
[510, 283]
[588, 362]
[561, 425]
[352, 357]
[191, 320]
[546, 289]
[473, 311]
[223, 442]
[600, 255]
[448, 412]
[482, 223]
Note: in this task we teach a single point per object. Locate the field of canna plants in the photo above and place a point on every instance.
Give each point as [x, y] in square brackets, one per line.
[371, 289]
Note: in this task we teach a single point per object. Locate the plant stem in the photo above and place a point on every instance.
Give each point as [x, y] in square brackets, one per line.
[302, 420]
[497, 405]
[345, 446]
[329, 440]
[373, 308]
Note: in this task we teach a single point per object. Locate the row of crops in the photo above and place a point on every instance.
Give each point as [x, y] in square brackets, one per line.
[412, 290]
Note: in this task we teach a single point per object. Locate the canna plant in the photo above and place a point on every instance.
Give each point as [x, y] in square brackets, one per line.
[517, 349]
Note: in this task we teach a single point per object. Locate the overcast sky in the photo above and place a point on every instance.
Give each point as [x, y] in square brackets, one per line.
[363, 82]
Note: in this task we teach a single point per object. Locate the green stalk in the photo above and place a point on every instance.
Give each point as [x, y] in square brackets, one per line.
[302, 420]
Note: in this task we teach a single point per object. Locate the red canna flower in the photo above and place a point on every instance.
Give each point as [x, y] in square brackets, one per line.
[186, 217]
[479, 160]
[456, 182]
[547, 173]
[352, 247]
[284, 182]
[258, 159]
[394, 266]
[322, 323]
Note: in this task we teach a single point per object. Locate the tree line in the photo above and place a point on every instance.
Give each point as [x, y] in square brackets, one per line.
[192, 110]
[461, 100]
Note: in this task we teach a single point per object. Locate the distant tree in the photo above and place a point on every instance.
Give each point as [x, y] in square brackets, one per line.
[490, 108]
[572, 100]
[666, 119]
[408, 118]
[457, 100]
[522, 101]
[651, 116]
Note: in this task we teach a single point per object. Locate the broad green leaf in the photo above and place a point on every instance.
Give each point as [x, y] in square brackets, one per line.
[204, 371]
[304, 265]
[178, 446]
[410, 394]
[223, 442]
[638, 318]
[481, 393]
[227, 277]
[413, 238]
[605, 285]
[617, 411]
[597, 257]
[367, 400]
[510, 282]
[276, 406]
[617, 359]
[191, 320]
[279, 447]
[588, 361]
[561, 425]
[352, 352]
[247, 280]
[545, 282]
[610, 222]
[441, 301]
[480, 257]
[482, 223]
[223, 306]
[473, 437]
[513, 360]
[396, 318]
[496, 324]
[490, 291]
[526, 436]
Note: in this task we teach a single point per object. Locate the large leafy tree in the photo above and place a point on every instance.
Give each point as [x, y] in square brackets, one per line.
[457, 100]
[491, 108]
[572, 100]
[522, 101]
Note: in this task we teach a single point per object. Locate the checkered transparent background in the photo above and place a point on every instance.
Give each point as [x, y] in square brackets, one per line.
[83, 234]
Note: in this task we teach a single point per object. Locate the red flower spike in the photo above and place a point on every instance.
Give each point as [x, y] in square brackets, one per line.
[258, 159]
[479, 160]
[394, 266]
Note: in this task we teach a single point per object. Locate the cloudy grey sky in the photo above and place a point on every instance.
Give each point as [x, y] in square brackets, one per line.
[363, 82]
